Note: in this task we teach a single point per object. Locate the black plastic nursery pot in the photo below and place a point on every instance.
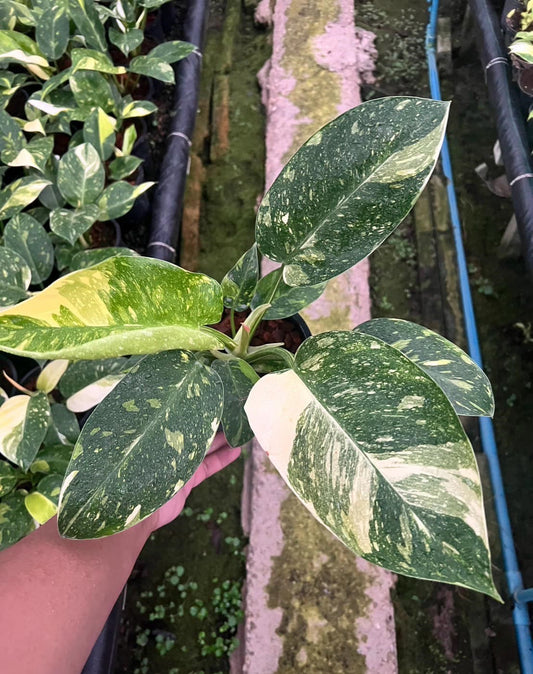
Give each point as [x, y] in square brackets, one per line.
[509, 115]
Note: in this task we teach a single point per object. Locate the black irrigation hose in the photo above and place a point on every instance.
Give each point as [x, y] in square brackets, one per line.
[168, 199]
[504, 99]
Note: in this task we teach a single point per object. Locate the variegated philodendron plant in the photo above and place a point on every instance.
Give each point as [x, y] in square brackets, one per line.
[361, 424]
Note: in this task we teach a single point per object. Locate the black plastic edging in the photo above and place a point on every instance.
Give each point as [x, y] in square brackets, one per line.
[168, 199]
[504, 99]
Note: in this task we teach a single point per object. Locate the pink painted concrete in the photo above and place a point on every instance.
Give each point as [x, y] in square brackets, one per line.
[349, 53]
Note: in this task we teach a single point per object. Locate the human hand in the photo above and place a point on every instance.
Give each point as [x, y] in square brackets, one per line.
[218, 456]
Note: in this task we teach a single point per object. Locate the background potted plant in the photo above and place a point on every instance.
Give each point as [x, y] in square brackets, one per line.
[361, 424]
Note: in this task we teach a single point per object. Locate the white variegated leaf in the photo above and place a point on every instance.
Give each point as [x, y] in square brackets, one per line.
[373, 448]
[23, 424]
[141, 445]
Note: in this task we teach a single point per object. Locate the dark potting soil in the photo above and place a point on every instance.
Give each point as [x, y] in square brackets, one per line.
[268, 332]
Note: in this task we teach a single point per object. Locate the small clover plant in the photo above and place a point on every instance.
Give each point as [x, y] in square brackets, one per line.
[361, 424]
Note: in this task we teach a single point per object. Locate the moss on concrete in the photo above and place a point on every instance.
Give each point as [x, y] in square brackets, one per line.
[316, 583]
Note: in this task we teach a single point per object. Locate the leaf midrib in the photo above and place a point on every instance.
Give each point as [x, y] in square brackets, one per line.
[160, 412]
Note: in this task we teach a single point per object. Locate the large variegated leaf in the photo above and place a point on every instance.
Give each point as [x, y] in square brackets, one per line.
[237, 378]
[91, 90]
[50, 375]
[15, 520]
[349, 186]
[11, 137]
[152, 67]
[19, 194]
[141, 445]
[86, 18]
[172, 51]
[124, 305]
[373, 448]
[35, 154]
[93, 394]
[119, 197]
[15, 277]
[23, 424]
[90, 59]
[29, 239]
[239, 283]
[126, 42]
[285, 300]
[466, 386]
[99, 131]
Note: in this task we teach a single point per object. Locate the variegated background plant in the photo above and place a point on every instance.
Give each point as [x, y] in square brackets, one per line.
[361, 424]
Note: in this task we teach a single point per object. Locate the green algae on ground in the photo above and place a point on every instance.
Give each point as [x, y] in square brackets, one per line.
[235, 180]
[321, 595]
[183, 600]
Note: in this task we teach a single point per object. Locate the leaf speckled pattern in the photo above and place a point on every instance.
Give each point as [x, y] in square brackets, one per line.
[466, 386]
[23, 423]
[124, 305]
[349, 186]
[141, 445]
[373, 448]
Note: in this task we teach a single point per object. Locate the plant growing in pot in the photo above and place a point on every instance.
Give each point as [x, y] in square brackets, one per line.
[361, 424]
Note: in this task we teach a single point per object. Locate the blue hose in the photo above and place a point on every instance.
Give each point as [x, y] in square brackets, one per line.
[488, 441]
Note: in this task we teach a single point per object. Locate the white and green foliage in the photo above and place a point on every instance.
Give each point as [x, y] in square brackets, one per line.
[362, 425]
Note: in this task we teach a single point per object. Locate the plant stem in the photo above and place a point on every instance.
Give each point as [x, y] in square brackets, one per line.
[232, 322]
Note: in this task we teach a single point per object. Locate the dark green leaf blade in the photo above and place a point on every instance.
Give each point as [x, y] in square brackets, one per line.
[349, 186]
[285, 300]
[15, 520]
[15, 277]
[141, 445]
[237, 378]
[23, 424]
[239, 283]
[29, 239]
[465, 385]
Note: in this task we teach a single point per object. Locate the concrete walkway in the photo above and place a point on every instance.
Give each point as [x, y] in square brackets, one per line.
[311, 606]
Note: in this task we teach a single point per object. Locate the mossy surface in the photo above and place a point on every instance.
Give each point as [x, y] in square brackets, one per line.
[234, 178]
[321, 592]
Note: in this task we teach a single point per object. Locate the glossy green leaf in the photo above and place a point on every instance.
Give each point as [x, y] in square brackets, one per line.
[119, 198]
[138, 109]
[11, 137]
[285, 300]
[84, 15]
[269, 360]
[237, 378]
[465, 385]
[15, 520]
[85, 372]
[373, 448]
[52, 29]
[70, 224]
[152, 67]
[16, 47]
[171, 51]
[239, 283]
[23, 424]
[90, 59]
[63, 428]
[99, 131]
[127, 42]
[50, 375]
[91, 89]
[349, 186]
[35, 154]
[28, 238]
[93, 394]
[53, 458]
[8, 478]
[122, 167]
[41, 503]
[88, 258]
[141, 445]
[19, 194]
[124, 305]
[81, 175]
[15, 277]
